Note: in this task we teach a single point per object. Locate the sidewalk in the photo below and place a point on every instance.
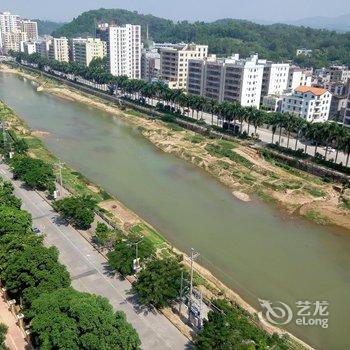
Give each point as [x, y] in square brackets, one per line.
[15, 337]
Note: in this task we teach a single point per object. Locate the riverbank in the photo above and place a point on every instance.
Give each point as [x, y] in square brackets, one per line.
[246, 172]
[217, 290]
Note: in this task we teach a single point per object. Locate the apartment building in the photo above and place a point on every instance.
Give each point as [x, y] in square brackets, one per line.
[59, 49]
[28, 47]
[30, 28]
[231, 79]
[311, 103]
[8, 23]
[298, 77]
[12, 40]
[150, 65]
[125, 50]
[42, 46]
[346, 120]
[85, 50]
[339, 74]
[174, 63]
[275, 78]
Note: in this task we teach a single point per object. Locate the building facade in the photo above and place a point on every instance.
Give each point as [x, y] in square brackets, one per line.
[125, 50]
[310, 103]
[59, 49]
[298, 77]
[339, 74]
[275, 78]
[174, 63]
[85, 50]
[150, 65]
[233, 79]
[30, 28]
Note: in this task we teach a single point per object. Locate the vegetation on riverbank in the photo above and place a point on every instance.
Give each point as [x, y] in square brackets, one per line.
[32, 275]
[164, 131]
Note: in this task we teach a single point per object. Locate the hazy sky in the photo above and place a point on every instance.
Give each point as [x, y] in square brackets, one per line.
[65, 10]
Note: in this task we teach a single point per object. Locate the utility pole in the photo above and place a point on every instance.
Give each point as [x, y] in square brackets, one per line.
[194, 256]
[181, 291]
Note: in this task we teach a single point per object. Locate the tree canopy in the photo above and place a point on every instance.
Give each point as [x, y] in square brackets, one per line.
[78, 210]
[34, 270]
[68, 319]
[159, 282]
[227, 36]
[13, 220]
[34, 172]
[7, 198]
[229, 327]
[124, 253]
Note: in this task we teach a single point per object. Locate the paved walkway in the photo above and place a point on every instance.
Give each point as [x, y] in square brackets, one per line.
[15, 337]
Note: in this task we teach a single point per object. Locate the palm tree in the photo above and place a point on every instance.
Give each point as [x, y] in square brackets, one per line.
[211, 107]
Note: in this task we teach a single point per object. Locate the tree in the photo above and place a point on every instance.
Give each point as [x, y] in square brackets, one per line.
[7, 198]
[13, 220]
[159, 282]
[67, 319]
[78, 211]
[105, 236]
[124, 253]
[3, 332]
[229, 327]
[34, 172]
[33, 271]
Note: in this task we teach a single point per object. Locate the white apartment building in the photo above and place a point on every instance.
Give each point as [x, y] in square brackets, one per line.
[59, 50]
[85, 50]
[150, 65]
[232, 79]
[28, 47]
[299, 77]
[275, 78]
[12, 40]
[125, 50]
[31, 28]
[8, 23]
[311, 103]
[174, 63]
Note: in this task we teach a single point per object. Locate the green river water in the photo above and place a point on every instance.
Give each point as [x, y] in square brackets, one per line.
[252, 247]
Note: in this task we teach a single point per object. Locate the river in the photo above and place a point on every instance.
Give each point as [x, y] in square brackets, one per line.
[252, 247]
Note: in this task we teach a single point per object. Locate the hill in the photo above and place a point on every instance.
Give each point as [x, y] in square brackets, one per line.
[340, 23]
[224, 37]
[47, 27]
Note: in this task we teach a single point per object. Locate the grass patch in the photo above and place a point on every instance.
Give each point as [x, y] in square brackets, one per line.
[194, 138]
[315, 192]
[174, 127]
[142, 229]
[249, 177]
[134, 113]
[266, 197]
[224, 165]
[317, 217]
[226, 144]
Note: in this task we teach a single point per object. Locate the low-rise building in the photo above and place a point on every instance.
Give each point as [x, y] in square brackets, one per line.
[310, 103]
[59, 49]
[85, 50]
[174, 63]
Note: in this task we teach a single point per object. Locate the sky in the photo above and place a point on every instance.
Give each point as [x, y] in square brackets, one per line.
[206, 10]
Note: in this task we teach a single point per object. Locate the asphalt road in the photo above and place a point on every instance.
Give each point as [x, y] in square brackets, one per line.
[89, 273]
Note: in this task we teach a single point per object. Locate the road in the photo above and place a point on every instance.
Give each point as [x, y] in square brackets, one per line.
[89, 273]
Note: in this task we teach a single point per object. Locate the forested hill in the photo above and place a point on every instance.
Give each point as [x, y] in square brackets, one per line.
[47, 27]
[224, 37]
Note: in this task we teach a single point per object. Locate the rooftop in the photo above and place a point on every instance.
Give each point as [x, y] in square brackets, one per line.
[314, 90]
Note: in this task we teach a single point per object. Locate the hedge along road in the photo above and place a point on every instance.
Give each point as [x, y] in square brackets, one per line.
[252, 247]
